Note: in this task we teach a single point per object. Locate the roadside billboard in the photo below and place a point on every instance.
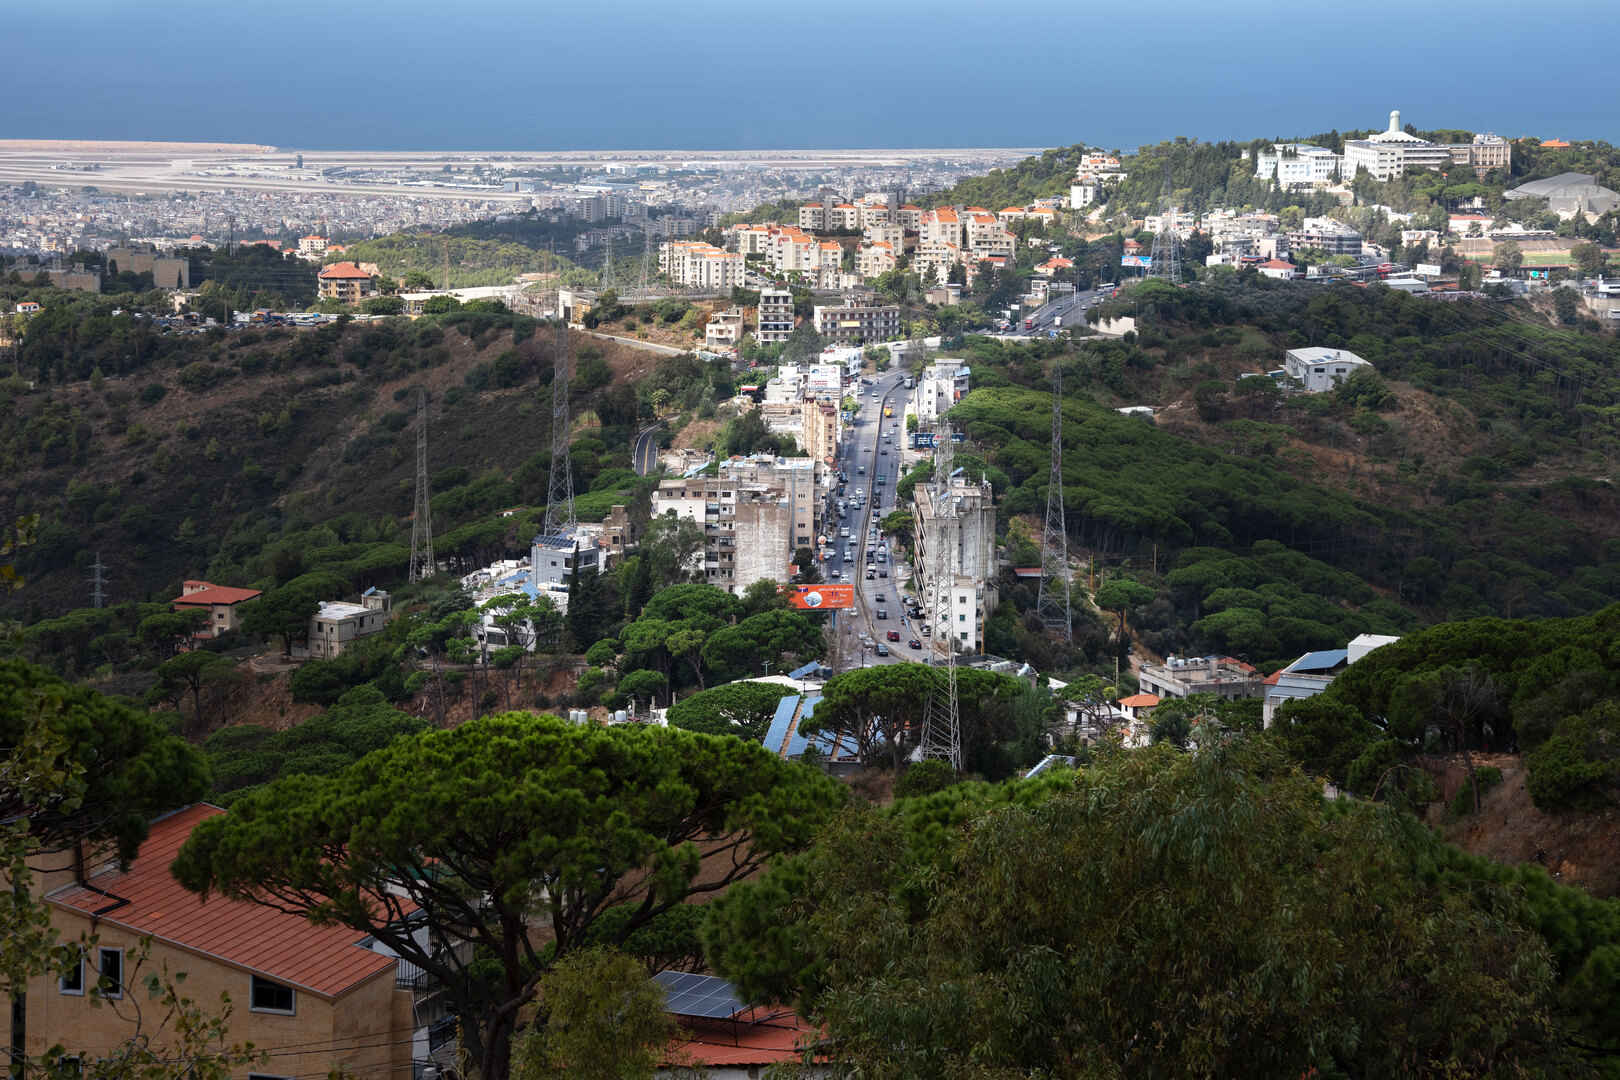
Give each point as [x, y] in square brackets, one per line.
[1427, 270]
[820, 597]
[1143, 262]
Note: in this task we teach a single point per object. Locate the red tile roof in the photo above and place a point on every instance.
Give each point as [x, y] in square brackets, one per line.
[1271, 680]
[323, 960]
[1277, 264]
[343, 270]
[1136, 701]
[216, 594]
[755, 1037]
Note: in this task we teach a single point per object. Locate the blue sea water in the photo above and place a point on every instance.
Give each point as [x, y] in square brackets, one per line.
[728, 74]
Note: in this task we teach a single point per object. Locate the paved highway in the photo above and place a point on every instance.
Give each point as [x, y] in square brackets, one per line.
[865, 449]
[644, 453]
[1071, 310]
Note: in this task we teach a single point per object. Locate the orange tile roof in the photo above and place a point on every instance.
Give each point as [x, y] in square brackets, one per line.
[1276, 264]
[911, 206]
[216, 594]
[323, 960]
[812, 206]
[1013, 210]
[1139, 701]
[1271, 680]
[343, 270]
[756, 1037]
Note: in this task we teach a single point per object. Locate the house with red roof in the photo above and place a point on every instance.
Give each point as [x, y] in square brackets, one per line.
[723, 1037]
[1278, 268]
[219, 601]
[314, 998]
[345, 282]
[1054, 264]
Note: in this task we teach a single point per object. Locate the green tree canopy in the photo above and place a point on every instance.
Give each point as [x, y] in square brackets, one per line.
[1158, 913]
[512, 834]
[743, 709]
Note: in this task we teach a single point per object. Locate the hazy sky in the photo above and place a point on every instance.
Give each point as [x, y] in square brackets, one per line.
[655, 74]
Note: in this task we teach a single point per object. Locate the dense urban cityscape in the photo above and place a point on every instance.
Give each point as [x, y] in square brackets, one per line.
[1034, 611]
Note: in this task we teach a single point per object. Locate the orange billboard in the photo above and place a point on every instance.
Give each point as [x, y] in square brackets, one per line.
[820, 597]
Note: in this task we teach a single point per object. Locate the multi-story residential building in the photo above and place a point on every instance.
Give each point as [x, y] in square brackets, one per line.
[941, 385]
[933, 259]
[696, 264]
[555, 558]
[1298, 165]
[1043, 214]
[344, 282]
[986, 236]
[883, 232]
[858, 320]
[822, 428]
[313, 998]
[336, 625]
[724, 329]
[943, 225]
[812, 217]
[775, 315]
[1486, 154]
[873, 259]
[749, 528]
[800, 479]
[1095, 174]
[312, 247]
[1332, 237]
[908, 217]
[957, 552]
[218, 601]
[1223, 676]
[1393, 153]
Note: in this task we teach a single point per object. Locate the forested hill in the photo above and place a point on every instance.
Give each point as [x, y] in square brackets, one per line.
[1044, 176]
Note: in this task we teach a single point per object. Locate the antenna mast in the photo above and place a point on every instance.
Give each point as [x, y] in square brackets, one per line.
[422, 565]
[560, 498]
[1166, 245]
[1053, 600]
[942, 727]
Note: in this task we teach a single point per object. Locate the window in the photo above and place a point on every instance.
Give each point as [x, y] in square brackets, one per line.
[267, 996]
[112, 969]
[73, 981]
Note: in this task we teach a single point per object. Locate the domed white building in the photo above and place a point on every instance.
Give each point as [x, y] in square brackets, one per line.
[1393, 153]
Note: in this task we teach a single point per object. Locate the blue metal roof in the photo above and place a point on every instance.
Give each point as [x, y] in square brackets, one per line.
[797, 742]
[1321, 660]
[811, 670]
[776, 734]
[1050, 761]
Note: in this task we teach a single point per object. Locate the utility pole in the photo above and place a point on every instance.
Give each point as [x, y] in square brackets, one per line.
[422, 565]
[560, 496]
[97, 597]
[1053, 599]
[942, 726]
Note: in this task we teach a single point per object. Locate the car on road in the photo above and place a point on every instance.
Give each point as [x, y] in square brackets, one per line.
[879, 598]
[870, 575]
[883, 571]
[881, 649]
[834, 576]
[914, 643]
[882, 614]
[894, 635]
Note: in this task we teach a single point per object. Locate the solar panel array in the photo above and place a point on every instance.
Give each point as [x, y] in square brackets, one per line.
[698, 995]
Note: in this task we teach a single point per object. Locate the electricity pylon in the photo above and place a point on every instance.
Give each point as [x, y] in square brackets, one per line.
[560, 497]
[1166, 246]
[422, 520]
[942, 724]
[1053, 600]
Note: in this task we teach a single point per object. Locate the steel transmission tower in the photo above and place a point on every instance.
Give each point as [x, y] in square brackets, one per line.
[607, 264]
[560, 498]
[942, 725]
[98, 598]
[1053, 600]
[1166, 247]
[422, 519]
[649, 262]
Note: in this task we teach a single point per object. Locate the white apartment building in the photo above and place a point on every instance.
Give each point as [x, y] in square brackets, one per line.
[1332, 237]
[881, 233]
[1393, 153]
[942, 384]
[933, 259]
[1298, 165]
[874, 259]
[856, 320]
[958, 551]
[695, 264]
[775, 316]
